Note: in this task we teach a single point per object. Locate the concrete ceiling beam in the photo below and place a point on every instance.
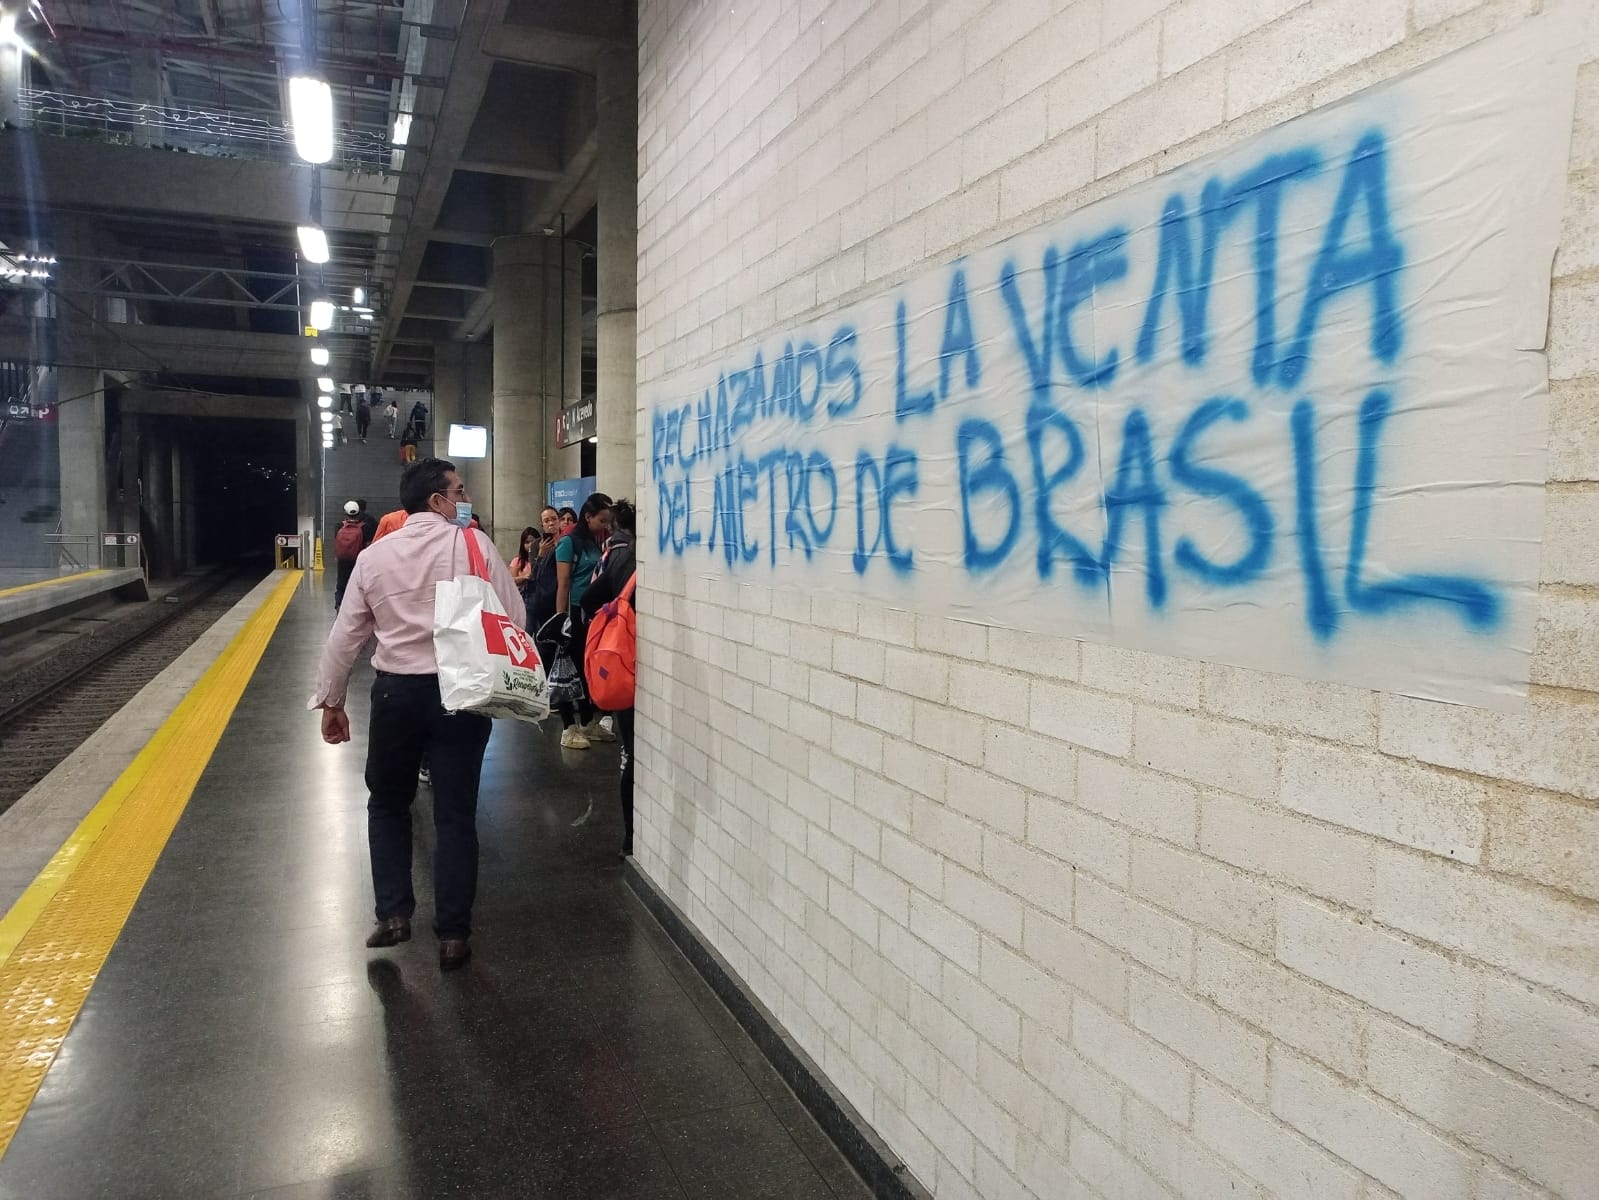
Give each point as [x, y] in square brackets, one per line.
[538, 46]
[145, 348]
[160, 402]
[433, 168]
[72, 174]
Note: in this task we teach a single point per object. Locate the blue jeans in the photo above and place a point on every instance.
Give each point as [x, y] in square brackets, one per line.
[407, 723]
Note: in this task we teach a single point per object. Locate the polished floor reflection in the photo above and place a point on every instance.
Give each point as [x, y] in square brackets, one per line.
[242, 1042]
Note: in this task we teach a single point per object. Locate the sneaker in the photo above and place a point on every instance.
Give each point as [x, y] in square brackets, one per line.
[596, 732]
[572, 738]
[608, 723]
[425, 777]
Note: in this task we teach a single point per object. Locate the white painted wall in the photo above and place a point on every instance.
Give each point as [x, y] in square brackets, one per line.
[1062, 919]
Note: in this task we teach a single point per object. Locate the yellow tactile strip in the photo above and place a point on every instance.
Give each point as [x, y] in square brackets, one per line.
[45, 583]
[55, 939]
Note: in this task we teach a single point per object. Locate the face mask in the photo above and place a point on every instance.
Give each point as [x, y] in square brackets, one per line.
[463, 513]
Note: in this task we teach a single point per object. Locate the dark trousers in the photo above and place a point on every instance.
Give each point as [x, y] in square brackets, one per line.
[346, 565]
[363, 418]
[408, 722]
[624, 733]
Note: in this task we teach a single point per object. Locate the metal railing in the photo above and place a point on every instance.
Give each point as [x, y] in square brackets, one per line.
[199, 131]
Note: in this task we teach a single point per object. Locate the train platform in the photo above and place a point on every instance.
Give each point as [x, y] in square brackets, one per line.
[28, 595]
[187, 1008]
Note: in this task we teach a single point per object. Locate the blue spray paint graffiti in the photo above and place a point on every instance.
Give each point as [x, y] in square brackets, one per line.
[1139, 410]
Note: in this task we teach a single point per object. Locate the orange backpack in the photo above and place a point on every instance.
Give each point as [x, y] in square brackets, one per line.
[610, 656]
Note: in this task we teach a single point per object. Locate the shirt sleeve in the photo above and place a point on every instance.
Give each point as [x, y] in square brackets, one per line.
[350, 632]
[499, 577]
[566, 550]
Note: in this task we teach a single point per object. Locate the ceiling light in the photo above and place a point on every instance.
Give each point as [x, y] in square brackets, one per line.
[311, 114]
[313, 243]
[402, 129]
[321, 314]
[327, 419]
[325, 383]
[366, 316]
[324, 401]
[319, 356]
[9, 35]
[359, 296]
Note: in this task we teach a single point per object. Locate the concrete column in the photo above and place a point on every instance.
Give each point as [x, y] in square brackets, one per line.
[158, 511]
[183, 502]
[530, 281]
[616, 332]
[127, 506]
[80, 424]
[307, 484]
[463, 378]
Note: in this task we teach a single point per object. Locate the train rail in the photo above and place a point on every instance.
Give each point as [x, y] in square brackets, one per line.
[48, 710]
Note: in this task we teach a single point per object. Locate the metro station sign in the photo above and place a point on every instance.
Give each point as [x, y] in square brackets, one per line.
[576, 422]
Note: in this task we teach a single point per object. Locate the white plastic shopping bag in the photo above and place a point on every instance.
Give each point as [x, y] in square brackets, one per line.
[487, 662]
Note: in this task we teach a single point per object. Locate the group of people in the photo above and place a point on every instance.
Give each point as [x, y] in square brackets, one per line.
[564, 572]
[364, 403]
[567, 568]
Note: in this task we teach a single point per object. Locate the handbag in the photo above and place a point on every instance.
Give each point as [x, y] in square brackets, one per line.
[487, 662]
[566, 682]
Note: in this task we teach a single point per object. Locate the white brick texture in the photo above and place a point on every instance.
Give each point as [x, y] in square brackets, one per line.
[1064, 919]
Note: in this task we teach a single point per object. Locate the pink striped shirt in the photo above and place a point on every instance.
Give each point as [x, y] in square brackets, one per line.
[390, 594]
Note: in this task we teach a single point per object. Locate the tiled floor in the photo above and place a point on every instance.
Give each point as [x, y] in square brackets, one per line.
[242, 1042]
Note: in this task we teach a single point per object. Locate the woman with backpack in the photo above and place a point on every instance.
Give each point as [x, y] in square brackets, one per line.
[576, 556]
[610, 584]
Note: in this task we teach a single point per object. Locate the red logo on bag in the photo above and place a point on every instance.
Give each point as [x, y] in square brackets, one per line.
[502, 636]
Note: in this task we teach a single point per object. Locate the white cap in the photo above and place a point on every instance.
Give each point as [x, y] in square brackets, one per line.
[351, 507]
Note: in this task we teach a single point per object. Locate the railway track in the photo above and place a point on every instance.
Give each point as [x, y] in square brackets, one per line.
[52, 711]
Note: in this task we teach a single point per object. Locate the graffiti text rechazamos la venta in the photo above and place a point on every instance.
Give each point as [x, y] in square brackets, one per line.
[759, 469]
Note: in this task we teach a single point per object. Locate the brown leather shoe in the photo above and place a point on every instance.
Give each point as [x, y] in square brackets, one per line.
[390, 931]
[453, 953]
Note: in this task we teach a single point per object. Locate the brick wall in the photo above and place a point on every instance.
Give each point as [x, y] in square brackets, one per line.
[1062, 919]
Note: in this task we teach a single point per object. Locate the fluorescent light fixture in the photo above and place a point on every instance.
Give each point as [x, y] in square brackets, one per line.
[468, 441]
[313, 243]
[327, 419]
[402, 129]
[366, 316]
[325, 382]
[9, 35]
[321, 314]
[311, 114]
[358, 296]
[324, 401]
[594, 441]
[319, 356]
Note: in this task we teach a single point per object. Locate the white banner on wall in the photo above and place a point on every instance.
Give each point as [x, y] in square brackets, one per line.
[1283, 408]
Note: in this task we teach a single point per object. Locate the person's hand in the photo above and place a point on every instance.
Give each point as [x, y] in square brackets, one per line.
[335, 726]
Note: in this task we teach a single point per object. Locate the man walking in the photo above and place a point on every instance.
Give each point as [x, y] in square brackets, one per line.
[390, 594]
[348, 542]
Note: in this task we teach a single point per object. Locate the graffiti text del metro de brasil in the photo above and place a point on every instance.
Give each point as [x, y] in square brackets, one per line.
[822, 446]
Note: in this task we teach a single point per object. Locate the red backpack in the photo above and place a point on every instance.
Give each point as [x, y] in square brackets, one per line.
[610, 655]
[347, 541]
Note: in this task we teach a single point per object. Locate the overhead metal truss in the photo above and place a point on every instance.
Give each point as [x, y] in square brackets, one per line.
[133, 281]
